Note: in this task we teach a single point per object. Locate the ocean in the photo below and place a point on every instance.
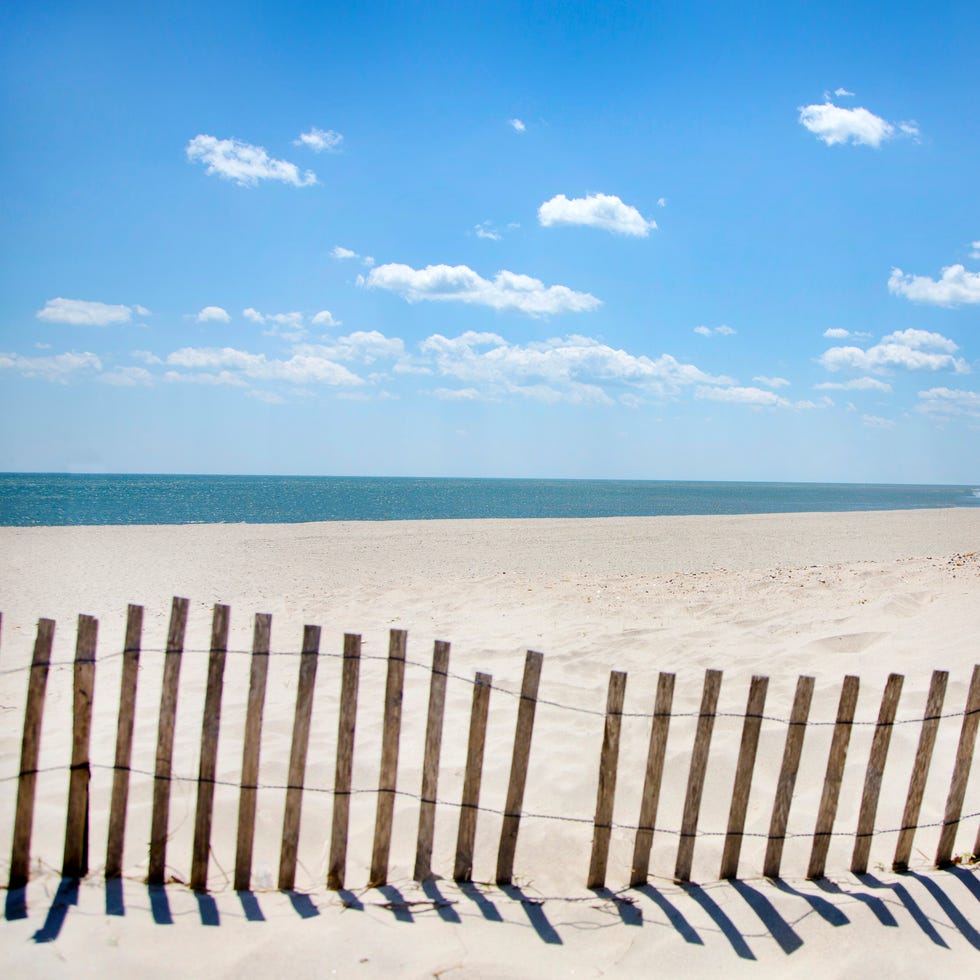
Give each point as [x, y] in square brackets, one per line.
[60, 499]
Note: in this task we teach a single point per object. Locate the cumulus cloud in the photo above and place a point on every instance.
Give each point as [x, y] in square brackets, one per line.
[243, 163]
[325, 319]
[950, 402]
[771, 382]
[833, 124]
[722, 331]
[485, 229]
[81, 312]
[213, 314]
[127, 377]
[745, 395]
[286, 325]
[320, 140]
[339, 252]
[843, 93]
[226, 365]
[955, 287]
[58, 368]
[855, 384]
[517, 125]
[459, 283]
[661, 202]
[604, 211]
[362, 346]
[915, 350]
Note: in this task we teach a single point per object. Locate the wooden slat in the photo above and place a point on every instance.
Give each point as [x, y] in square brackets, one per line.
[115, 840]
[606, 791]
[652, 780]
[961, 772]
[160, 817]
[207, 767]
[695, 779]
[920, 769]
[251, 749]
[20, 854]
[836, 760]
[518, 768]
[469, 806]
[743, 776]
[430, 762]
[74, 863]
[872, 777]
[787, 777]
[388, 775]
[308, 661]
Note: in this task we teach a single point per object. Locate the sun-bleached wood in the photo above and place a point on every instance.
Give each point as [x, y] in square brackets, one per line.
[695, 779]
[920, 769]
[518, 767]
[430, 761]
[74, 864]
[787, 776]
[248, 796]
[961, 772]
[606, 791]
[470, 803]
[836, 760]
[20, 852]
[308, 661]
[160, 816]
[388, 775]
[875, 771]
[207, 767]
[743, 776]
[652, 779]
[337, 867]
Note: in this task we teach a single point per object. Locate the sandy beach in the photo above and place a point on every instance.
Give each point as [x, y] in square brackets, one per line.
[825, 595]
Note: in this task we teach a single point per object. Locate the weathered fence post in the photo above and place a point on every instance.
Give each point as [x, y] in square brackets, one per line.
[872, 778]
[336, 870]
[74, 864]
[961, 772]
[695, 779]
[207, 767]
[920, 769]
[743, 776]
[518, 768]
[430, 761]
[652, 779]
[470, 803]
[297, 757]
[836, 759]
[606, 791]
[30, 746]
[160, 817]
[251, 749]
[115, 840]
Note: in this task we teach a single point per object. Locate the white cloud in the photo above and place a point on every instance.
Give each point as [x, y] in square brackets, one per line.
[319, 140]
[213, 314]
[604, 211]
[243, 163]
[53, 367]
[507, 290]
[339, 252]
[517, 125]
[855, 384]
[833, 124]
[957, 286]
[975, 250]
[457, 394]
[127, 377]
[145, 356]
[286, 325]
[81, 312]
[837, 333]
[771, 382]
[916, 350]
[368, 260]
[485, 229]
[744, 396]
[950, 402]
[722, 331]
[363, 346]
[877, 422]
[227, 365]
[843, 93]
[325, 319]
[661, 202]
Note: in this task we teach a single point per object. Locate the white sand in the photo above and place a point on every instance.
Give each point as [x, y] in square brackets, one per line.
[781, 595]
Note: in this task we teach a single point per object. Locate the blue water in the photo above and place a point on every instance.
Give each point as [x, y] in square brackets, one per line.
[58, 498]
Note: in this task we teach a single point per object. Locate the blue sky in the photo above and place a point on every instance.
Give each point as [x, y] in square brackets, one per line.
[665, 241]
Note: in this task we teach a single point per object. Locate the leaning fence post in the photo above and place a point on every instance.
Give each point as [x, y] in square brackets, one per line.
[695, 779]
[470, 803]
[124, 743]
[74, 864]
[606, 791]
[518, 768]
[743, 776]
[30, 746]
[652, 779]
[920, 769]
[207, 768]
[832, 780]
[250, 750]
[872, 778]
[961, 772]
[160, 817]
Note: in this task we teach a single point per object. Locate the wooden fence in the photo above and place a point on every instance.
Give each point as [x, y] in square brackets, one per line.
[75, 863]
